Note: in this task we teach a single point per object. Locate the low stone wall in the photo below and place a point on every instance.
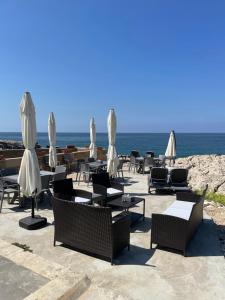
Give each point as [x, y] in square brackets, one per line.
[205, 169]
[14, 161]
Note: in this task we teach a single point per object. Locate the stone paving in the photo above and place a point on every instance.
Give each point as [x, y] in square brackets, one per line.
[13, 286]
[140, 273]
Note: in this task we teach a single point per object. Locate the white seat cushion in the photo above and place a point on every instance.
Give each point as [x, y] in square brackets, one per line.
[180, 209]
[113, 192]
[81, 200]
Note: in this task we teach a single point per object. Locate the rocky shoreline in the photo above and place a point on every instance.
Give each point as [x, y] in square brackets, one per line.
[208, 170]
[203, 170]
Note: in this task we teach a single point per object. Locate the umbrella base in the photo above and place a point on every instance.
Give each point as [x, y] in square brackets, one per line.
[30, 223]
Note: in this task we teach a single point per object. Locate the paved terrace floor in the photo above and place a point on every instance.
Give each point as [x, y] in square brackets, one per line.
[140, 273]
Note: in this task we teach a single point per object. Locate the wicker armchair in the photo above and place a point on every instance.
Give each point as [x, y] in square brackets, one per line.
[90, 229]
[173, 231]
[64, 189]
[108, 188]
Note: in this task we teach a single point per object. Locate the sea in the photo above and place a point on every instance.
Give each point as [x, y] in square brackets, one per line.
[187, 143]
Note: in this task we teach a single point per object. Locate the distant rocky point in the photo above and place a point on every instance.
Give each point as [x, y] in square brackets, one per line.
[9, 144]
[205, 169]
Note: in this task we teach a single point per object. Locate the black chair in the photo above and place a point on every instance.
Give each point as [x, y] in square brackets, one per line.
[9, 171]
[91, 159]
[64, 189]
[108, 188]
[86, 173]
[158, 179]
[133, 162]
[69, 160]
[120, 168]
[150, 153]
[178, 178]
[45, 188]
[77, 167]
[147, 162]
[60, 173]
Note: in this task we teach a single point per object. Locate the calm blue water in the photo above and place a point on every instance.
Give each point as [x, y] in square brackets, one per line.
[187, 143]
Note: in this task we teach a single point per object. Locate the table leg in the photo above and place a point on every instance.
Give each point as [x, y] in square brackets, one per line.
[143, 209]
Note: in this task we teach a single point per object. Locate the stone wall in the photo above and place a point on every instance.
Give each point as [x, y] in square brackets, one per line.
[205, 169]
[14, 161]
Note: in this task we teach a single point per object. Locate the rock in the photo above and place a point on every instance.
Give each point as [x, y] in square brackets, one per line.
[205, 170]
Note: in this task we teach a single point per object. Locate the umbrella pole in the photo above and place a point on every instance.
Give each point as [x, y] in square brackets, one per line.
[32, 208]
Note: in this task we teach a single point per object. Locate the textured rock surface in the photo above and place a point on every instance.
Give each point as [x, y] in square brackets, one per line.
[205, 169]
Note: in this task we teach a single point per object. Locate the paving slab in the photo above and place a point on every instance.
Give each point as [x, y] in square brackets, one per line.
[17, 282]
[141, 273]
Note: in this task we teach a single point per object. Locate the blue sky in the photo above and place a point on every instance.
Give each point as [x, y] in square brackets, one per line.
[159, 63]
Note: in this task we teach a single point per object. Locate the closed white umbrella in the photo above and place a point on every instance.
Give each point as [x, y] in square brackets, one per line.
[171, 147]
[52, 141]
[112, 157]
[93, 148]
[29, 174]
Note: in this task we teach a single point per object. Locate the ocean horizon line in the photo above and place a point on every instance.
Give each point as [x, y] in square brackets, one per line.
[120, 132]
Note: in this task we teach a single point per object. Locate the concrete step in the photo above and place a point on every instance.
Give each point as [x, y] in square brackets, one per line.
[62, 284]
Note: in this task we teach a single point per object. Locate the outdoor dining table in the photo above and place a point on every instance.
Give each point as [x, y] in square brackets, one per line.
[14, 178]
[97, 165]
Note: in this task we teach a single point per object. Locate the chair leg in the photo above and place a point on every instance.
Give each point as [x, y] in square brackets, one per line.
[1, 202]
[79, 178]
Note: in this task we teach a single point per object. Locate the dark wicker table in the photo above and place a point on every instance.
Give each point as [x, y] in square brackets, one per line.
[129, 204]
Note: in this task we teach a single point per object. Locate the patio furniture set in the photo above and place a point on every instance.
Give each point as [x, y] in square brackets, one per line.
[139, 163]
[83, 220]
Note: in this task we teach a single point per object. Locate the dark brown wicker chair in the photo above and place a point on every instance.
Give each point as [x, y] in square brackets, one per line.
[64, 190]
[90, 229]
[176, 232]
[102, 184]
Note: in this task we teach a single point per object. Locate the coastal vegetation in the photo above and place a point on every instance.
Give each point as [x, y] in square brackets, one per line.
[212, 196]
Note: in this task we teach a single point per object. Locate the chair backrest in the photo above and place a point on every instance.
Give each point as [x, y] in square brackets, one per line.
[102, 179]
[149, 161]
[162, 157]
[9, 171]
[59, 176]
[135, 153]
[84, 167]
[45, 182]
[77, 164]
[69, 157]
[45, 159]
[60, 169]
[178, 176]
[188, 196]
[91, 159]
[132, 159]
[120, 165]
[64, 186]
[159, 174]
[151, 153]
